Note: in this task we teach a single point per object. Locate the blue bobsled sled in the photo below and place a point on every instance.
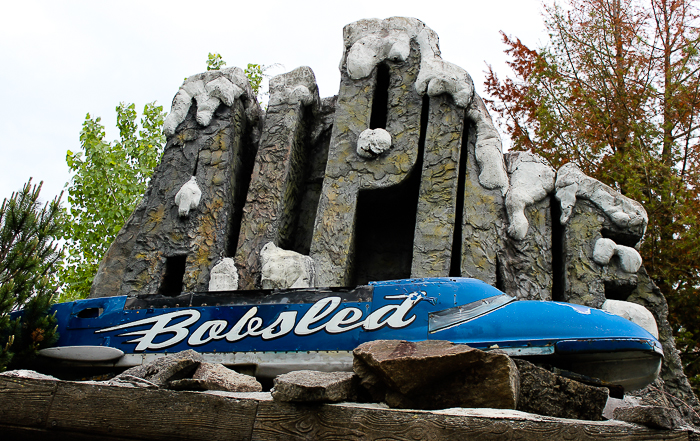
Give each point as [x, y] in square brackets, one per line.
[277, 331]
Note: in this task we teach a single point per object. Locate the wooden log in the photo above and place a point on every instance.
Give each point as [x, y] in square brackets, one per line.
[25, 402]
[286, 421]
[151, 414]
[60, 410]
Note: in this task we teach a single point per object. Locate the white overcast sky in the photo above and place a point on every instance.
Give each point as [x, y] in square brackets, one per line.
[62, 59]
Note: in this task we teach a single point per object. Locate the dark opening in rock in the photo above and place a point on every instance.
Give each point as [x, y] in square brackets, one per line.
[243, 172]
[380, 102]
[174, 274]
[557, 252]
[619, 237]
[618, 289]
[456, 256]
[500, 279]
[386, 222]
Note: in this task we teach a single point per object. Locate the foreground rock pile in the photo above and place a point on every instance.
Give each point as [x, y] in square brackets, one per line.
[426, 375]
[185, 370]
[438, 375]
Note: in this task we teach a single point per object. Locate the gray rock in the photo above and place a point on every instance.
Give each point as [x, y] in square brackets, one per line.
[277, 179]
[126, 381]
[156, 242]
[313, 386]
[214, 376]
[672, 385]
[285, 269]
[656, 417]
[483, 221]
[164, 369]
[545, 393]
[437, 195]
[24, 373]
[437, 374]
[525, 262]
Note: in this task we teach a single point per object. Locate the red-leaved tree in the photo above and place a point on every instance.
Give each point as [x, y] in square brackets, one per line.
[616, 90]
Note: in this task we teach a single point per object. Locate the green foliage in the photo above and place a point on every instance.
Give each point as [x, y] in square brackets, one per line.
[29, 253]
[109, 180]
[215, 62]
[255, 74]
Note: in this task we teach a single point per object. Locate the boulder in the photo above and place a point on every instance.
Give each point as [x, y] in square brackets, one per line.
[224, 276]
[315, 386]
[24, 373]
[214, 376]
[656, 417]
[285, 269]
[545, 393]
[373, 388]
[165, 369]
[436, 374]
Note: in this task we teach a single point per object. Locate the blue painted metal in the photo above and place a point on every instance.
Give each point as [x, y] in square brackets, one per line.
[322, 320]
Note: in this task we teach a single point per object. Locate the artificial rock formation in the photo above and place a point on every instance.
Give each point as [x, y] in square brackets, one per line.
[183, 226]
[400, 175]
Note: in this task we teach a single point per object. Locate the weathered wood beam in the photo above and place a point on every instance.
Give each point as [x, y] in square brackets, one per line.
[61, 410]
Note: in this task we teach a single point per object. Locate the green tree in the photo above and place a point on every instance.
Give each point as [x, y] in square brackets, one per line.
[109, 180]
[29, 256]
[215, 62]
[616, 90]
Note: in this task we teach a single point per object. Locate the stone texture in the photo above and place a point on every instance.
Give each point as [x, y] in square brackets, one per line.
[526, 265]
[285, 269]
[590, 210]
[655, 417]
[214, 376]
[224, 276]
[483, 221]
[165, 369]
[437, 198]
[315, 386]
[155, 244]
[436, 374]
[545, 393]
[24, 373]
[274, 192]
[332, 246]
[126, 380]
[585, 281]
